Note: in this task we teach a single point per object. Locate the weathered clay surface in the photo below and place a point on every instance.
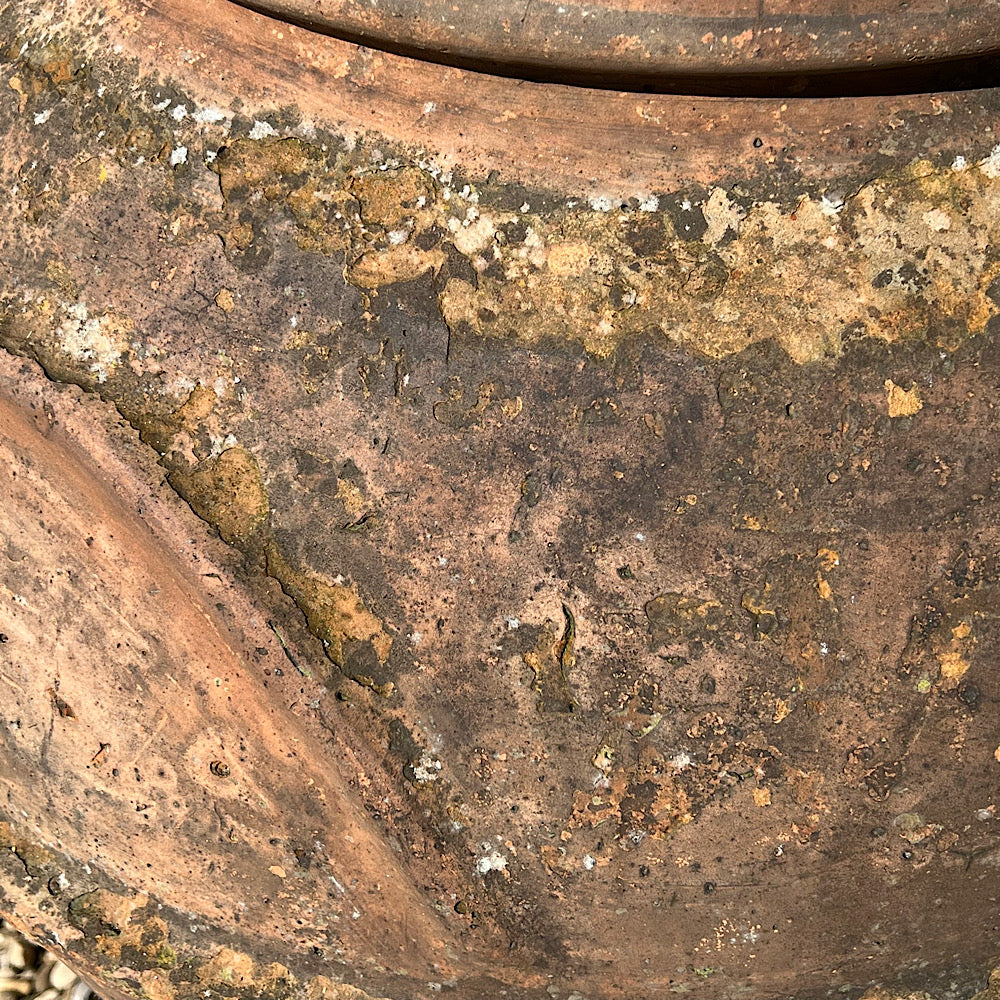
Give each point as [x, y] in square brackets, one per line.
[624, 553]
[662, 43]
[144, 733]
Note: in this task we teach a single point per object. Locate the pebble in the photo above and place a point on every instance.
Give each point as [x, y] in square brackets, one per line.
[61, 977]
[13, 951]
[30, 973]
[14, 989]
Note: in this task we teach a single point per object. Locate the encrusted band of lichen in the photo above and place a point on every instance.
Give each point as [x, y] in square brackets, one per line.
[711, 271]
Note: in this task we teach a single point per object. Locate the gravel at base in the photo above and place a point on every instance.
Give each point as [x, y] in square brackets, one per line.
[28, 972]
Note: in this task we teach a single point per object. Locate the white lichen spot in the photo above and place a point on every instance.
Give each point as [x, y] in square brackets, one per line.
[831, 205]
[937, 220]
[178, 155]
[991, 165]
[492, 862]
[427, 768]
[602, 203]
[209, 116]
[219, 445]
[178, 385]
[681, 761]
[179, 112]
[162, 105]
[398, 237]
[686, 205]
[959, 164]
[416, 638]
[100, 340]
[513, 623]
[525, 208]
[430, 107]
[650, 204]
[475, 236]
[589, 862]
[43, 116]
[262, 130]
[721, 215]
[639, 536]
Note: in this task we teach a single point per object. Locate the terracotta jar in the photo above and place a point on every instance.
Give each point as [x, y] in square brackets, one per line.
[501, 500]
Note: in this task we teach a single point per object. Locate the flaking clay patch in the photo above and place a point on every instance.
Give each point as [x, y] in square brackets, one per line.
[354, 639]
[583, 277]
[902, 402]
[228, 492]
[551, 661]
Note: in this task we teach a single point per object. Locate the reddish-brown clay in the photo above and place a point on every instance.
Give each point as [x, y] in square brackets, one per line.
[140, 737]
[565, 139]
[715, 45]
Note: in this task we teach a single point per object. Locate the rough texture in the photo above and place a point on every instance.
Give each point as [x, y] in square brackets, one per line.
[625, 564]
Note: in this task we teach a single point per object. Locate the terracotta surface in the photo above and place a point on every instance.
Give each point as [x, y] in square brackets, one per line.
[734, 46]
[561, 139]
[551, 537]
[138, 727]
